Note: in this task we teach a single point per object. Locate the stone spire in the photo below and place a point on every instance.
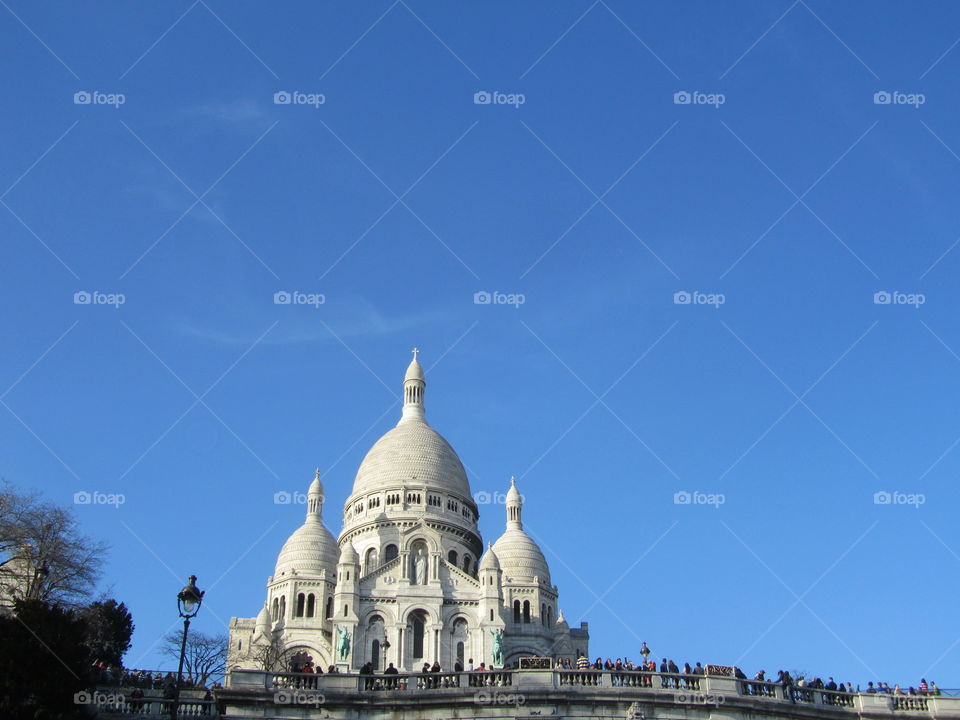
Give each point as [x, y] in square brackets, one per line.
[413, 388]
[315, 499]
[514, 506]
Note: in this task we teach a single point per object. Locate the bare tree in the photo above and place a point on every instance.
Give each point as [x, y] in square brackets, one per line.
[43, 555]
[270, 656]
[205, 657]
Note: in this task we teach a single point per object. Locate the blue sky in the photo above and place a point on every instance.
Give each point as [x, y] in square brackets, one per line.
[779, 201]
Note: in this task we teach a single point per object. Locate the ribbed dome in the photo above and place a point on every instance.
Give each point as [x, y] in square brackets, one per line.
[412, 453]
[310, 550]
[520, 557]
[489, 561]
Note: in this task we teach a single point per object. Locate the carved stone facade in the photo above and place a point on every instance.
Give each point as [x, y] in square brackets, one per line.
[407, 581]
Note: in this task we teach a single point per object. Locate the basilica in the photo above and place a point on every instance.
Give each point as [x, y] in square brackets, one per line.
[408, 581]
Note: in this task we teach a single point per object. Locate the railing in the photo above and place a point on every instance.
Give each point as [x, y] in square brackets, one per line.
[834, 697]
[536, 680]
[583, 678]
[759, 688]
[153, 707]
[430, 681]
[909, 702]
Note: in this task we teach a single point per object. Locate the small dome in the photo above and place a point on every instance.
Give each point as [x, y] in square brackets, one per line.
[349, 554]
[310, 550]
[414, 371]
[520, 557]
[489, 561]
[263, 619]
[513, 495]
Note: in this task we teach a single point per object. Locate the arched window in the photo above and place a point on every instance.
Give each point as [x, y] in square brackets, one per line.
[301, 602]
[346, 609]
[419, 629]
[370, 561]
[389, 553]
[466, 563]
[526, 611]
[376, 636]
[329, 611]
[452, 557]
[516, 611]
[311, 605]
[276, 610]
[460, 653]
[491, 614]
[550, 618]
[283, 606]
[543, 614]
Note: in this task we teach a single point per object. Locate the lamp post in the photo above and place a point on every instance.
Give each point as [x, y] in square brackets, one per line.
[188, 604]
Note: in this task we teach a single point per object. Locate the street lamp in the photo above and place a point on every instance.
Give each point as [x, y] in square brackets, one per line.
[188, 604]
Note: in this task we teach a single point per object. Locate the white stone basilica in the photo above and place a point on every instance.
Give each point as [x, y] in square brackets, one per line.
[403, 584]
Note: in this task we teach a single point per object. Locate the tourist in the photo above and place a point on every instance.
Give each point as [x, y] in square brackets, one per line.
[582, 663]
[934, 690]
[672, 668]
[923, 689]
[458, 666]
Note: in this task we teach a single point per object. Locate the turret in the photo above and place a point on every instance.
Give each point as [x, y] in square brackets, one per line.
[514, 506]
[414, 386]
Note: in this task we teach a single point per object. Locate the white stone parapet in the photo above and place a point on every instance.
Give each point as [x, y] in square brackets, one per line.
[674, 695]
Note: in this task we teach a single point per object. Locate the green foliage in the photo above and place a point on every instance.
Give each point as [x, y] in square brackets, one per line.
[109, 627]
[43, 662]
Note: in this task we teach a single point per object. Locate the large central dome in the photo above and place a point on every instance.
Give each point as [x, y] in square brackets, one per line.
[412, 453]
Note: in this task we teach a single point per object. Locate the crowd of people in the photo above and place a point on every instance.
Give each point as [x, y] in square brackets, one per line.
[143, 679]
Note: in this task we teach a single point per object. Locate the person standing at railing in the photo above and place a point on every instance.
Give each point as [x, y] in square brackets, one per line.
[582, 663]
[923, 689]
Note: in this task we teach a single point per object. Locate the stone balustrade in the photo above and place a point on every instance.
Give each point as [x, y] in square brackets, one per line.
[681, 689]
